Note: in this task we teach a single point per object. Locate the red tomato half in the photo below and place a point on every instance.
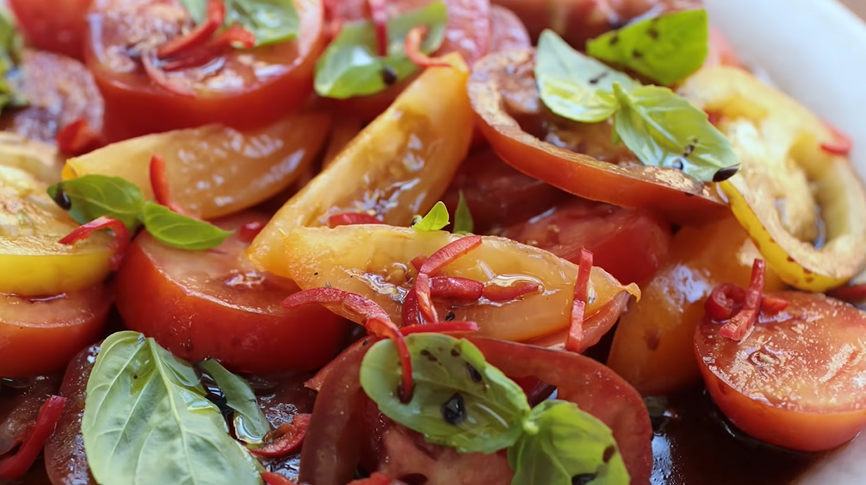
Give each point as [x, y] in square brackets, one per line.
[39, 335]
[629, 244]
[796, 380]
[214, 304]
[53, 25]
[243, 89]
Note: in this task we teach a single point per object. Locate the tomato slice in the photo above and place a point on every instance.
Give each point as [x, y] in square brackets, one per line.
[214, 304]
[59, 91]
[203, 165]
[53, 26]
[502, 90]
[796, 379]
[244, 89]
[506, 30]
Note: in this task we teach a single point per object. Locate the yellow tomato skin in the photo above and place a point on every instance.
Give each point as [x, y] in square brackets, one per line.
[653, 345]
[374, 261]
[214, 170]
[32, 261]
[398, 166]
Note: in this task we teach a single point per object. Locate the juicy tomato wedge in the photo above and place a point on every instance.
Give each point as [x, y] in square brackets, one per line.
[34, 157]
[203, 164]
[399, 165]
[466, 33]
[244, 89]
[59, 91]
[34, 262]
[652, 347]
[41, 334]
[375, 261]
[496, 194]
[573, 157]
[214, 304]
[53, 26]
[506, 30]
[629, 244]
[795, 379]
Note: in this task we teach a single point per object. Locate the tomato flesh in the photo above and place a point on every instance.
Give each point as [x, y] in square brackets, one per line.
[41, 334]
[244, 89]
[53, 26]
[796, 379]
[214, 304]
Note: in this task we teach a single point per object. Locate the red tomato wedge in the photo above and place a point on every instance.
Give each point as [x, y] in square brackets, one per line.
[796, 380]
[243, 89]
[54, 26]
[214, 304]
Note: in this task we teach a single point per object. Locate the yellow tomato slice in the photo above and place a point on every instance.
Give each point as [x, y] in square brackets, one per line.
[33, 262]
[215, 170]
[398, 166]
[787, 184]
[374, 261]
[37, 158]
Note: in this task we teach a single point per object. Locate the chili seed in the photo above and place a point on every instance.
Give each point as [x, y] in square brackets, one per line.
[454, 409]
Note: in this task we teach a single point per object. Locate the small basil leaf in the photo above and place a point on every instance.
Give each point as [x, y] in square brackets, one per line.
[271, 21]
[665, 130]
[250, 423]
[569, 446]
[350, 67]
[147, 421]
[573, 85]
[435, 220]
[94, 196]
[463, 223]
[458, 400]
[197, 9]
[181, 231]
[666, 49]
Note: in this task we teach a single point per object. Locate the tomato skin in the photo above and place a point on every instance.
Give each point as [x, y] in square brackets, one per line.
[792, 381]
[629, 244]
[213, 304]
[281, 81]
[51, 25]
[40, 335]
[59, 91]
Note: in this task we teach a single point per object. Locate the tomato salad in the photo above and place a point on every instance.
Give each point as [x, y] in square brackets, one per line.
[415, 242]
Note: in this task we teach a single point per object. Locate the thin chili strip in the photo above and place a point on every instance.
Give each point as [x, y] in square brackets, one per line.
[160, 186]
[412, 47]
[739, 325]
[380, 20]
[441, 327]
[17, 465]
[351, 219]
[119, 244]
[77, 138]
[456, 288]
[286, 439]
[500, 293]
[581, 289]
[216, 14]
[449, 253]
[841, 144]
[272, 478]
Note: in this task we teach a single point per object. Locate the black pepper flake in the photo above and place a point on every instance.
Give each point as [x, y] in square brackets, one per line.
[614, 40]
[454, 409]
[725, 173]
[598, 78]
[61, 198]
[608, 453]
[389, 75]
[583, 478]
[637, 54]
[450, 316]
[426, 353]
[473, 373]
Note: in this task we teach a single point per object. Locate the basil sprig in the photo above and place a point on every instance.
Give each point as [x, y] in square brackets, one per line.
[147, 420]
[665, 49]
[435, 220]
[463, 222]
[271, 21]
[461, 401]
[350, 66]
[94, 196]
[661, 128]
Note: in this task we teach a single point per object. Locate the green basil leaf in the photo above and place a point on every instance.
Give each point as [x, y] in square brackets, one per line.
[148, 421]
[179, 230]
[94, 196]
[196, 8]
[250, 423]
[463, 223]
[665, 130]
[458, 401]
[11, 43]
[271, 21]
[568, 446]
[435, 220]
[350, 65]
[665, 49]
[573, 85]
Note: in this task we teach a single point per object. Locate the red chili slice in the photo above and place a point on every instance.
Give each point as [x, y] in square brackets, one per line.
[121, 236]
[499, 293]
[841, 143]
[575, 337]
[737, 327]
[441, 327]
[16, 465]
[216, 13]
[286, 439]
[271, 478]
[412, 47]
[456, 288]
[380, 21]
[77, 138]
[352, 218]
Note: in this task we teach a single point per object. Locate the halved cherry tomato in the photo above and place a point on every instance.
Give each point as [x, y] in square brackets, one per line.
[214, 304]
[214, 170]
[496, 194]
[41, 334]
[796, 379]
[399, 165]
[502, 90]
[375, 261]
[466, 33]
[652, 348]
[59, 91]
[629, 244]
[244, 89]
[53, 26]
